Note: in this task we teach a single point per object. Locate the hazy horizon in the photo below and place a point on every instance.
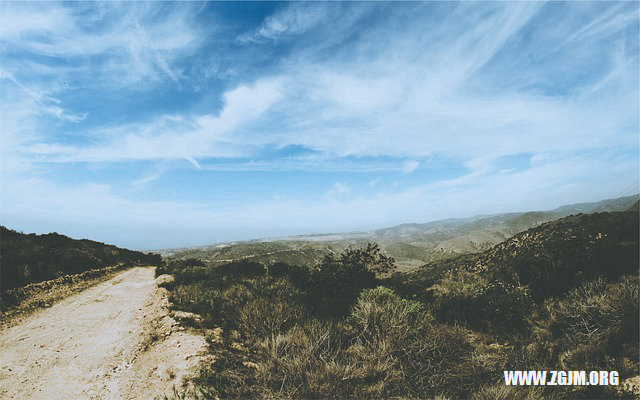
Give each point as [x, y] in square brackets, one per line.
[157, 125]
[624, 193]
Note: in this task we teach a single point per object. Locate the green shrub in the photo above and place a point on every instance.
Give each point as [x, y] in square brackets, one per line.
[380, 315]
[497, 307]
[458, 283]
[304, 362]
[227, 377]
[335, 283]
[596, 311]
[198, 298]
[242, 268]
[401, 351]
[194, 274]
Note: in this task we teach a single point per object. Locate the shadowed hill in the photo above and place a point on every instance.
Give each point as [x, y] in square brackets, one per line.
[548, 259]
[561, 254]
[28, 258]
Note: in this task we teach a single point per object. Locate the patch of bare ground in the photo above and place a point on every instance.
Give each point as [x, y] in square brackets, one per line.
[171, 352]
[115, 340]
[19, 303]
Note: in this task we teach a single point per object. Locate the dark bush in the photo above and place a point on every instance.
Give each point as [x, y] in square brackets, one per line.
[196, 273]
[496, 307]
[336, 282]
[560, 255]
[279, 269]
[186, 262]
[242, 269]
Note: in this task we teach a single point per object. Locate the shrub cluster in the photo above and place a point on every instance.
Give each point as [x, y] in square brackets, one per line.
[495, 307]
[336, 331]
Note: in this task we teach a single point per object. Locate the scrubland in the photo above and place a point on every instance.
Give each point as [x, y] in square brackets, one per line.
[561, 296]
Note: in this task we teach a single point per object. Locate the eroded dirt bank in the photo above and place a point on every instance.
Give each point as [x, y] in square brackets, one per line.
[115, 340]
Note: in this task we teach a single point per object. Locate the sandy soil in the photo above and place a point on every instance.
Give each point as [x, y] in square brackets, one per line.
[116, 340]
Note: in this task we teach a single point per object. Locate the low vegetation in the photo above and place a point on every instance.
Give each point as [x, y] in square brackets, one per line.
[562, 296]
[30, 258]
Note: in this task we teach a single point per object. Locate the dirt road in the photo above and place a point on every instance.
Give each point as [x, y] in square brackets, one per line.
[115, 340]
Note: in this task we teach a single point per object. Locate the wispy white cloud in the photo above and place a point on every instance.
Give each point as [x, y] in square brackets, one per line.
[169, 137]
[140, 42]
[410, 166]
[293, 19]
[23, 20]
[612, 20]
[45, 103]
[394, 101]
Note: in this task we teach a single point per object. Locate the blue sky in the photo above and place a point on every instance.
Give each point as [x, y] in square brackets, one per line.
[153, 125]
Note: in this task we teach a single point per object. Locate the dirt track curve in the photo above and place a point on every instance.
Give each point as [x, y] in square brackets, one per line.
[115, 340]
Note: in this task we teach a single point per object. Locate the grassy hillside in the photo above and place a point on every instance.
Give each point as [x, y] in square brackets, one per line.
[561, 296]
[29, 258]
[291, 252]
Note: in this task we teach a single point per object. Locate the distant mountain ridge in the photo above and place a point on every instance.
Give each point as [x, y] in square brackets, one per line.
[426, 241]
[411, 244]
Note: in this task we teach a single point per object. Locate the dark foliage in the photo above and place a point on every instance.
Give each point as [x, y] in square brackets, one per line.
[556, 256]
[336, 282]
[34, 258]
[498, 307]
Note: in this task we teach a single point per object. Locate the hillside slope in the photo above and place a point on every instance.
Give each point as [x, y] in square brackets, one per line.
[560, 254]
[28, 258]
[446, 238]
[549, 259]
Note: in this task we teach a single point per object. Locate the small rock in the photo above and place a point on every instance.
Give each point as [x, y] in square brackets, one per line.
[164, 279]
[187, 316]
